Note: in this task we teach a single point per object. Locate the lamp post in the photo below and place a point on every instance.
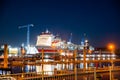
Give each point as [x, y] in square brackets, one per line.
[111, 47]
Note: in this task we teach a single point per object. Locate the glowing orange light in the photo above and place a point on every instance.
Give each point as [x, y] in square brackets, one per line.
[61, 51]
[23, 51]
[111, 47]
[90, 51]
[53, 45]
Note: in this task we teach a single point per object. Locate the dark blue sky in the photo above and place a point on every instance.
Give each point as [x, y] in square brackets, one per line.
[99, 19]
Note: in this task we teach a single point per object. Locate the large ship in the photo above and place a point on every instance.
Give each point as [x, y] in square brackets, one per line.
[53, 44]
[48, 42]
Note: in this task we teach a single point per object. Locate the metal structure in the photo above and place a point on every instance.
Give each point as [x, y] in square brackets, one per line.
[28, 31]
[70, 40]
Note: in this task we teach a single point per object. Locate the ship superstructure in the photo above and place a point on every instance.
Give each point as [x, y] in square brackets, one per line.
[49, 42]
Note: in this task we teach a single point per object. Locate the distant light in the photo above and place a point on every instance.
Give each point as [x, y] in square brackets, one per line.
[81, 58]
[86, 41]
[108, 58]
[81, 55]
[46, 56]
[98, 58]
[108, 55]
[93, 55]
[63, 53]
[87, 58]
[13, 50]
[113, 55]
[87, 55]
[103, 55]
[111, 47]
[98, 55]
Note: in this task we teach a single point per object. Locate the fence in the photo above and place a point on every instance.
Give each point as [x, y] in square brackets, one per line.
[62, 75]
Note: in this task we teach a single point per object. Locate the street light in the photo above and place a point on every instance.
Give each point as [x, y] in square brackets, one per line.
[111, 47]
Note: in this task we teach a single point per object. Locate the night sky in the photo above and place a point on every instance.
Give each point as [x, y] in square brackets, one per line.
[99, 19]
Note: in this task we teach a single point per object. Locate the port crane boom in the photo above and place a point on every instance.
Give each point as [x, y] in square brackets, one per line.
[28, 31]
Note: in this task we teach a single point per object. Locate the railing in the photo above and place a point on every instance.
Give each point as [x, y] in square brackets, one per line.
[58, 74]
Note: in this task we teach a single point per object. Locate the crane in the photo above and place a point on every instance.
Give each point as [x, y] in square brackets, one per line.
[28, 31]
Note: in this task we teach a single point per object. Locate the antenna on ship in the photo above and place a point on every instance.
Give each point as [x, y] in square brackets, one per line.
[83, 39]
[47, 31]
[28, 32]
[70, 40]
